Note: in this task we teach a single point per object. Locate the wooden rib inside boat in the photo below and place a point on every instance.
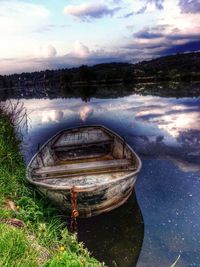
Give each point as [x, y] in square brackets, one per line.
[92, 161]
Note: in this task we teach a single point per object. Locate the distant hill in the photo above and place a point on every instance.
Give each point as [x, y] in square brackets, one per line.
[188, 62]
[180, 67]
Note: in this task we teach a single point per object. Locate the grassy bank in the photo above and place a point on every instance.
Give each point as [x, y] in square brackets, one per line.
[30, 232]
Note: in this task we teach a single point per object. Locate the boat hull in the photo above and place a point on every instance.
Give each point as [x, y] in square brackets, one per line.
[104, 185]
[92, 203]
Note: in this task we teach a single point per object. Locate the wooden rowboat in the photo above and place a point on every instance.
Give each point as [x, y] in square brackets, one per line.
[91, 161]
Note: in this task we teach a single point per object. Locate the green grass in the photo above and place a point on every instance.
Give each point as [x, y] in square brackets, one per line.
[45, 241]
[15, 248]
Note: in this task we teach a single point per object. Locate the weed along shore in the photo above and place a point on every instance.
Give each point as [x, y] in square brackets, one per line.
[31, 233]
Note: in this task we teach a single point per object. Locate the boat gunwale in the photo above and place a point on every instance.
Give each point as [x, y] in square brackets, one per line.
[82, 188]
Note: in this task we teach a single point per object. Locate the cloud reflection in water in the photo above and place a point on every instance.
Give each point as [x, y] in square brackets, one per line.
[166, 134]
[85, 112]
[142, 120]
[52, 116]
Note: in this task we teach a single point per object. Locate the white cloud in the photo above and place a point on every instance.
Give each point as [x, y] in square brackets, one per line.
[80, 50]
[171, 32]
[46, 51]
[138, 7]
[17, 8]
[25, 27]
[50, 51]
[16, 16]
[173, 16]
[17, 21]
[91, 10]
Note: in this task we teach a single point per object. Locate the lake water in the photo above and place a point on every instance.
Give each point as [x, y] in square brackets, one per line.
[164, 222]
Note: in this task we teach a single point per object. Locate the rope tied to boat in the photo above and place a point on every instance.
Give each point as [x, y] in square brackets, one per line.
[74, 209]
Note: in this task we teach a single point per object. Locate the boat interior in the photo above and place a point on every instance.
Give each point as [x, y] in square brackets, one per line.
[83, 152]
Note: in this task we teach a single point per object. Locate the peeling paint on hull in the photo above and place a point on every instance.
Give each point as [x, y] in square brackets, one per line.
[92, 203]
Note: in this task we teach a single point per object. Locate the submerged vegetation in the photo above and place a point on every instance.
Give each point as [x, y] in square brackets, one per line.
[31, 234]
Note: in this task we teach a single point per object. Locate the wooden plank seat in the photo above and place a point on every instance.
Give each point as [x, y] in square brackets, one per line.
[80, 138]
[82, 146]
[84, 167]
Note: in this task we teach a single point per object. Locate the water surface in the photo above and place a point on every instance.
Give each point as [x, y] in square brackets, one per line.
[165, 132]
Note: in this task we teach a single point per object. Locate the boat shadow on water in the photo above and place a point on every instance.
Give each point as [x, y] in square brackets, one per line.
[115, 237]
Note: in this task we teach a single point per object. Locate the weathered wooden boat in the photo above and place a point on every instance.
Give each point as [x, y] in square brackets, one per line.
[91, 161]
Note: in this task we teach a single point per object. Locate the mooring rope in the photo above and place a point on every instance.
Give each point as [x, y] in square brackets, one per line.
[74, 208]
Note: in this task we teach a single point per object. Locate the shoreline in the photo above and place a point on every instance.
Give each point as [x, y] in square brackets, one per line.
[29, 221]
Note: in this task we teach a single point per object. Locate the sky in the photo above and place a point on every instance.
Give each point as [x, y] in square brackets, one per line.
[52, 34]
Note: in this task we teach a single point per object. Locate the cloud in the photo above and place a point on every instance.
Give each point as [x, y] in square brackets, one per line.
[188, 46]
[16, 16]
[166, 31]
[50, 27]
[146, 5]
[17, 20]
[17, 8]
[86, 12]
[189, 6]
[130, 27]
[171, 32]
[140, 11]
[129, 15]
[80, 50]
[50, 51]
[116, 1]
[148, 33]
[28, 64]
[158, 3]
[135, 51]
[46, 51]
[164, 40]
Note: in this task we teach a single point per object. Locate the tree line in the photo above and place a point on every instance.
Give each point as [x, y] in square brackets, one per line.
[180, 67]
